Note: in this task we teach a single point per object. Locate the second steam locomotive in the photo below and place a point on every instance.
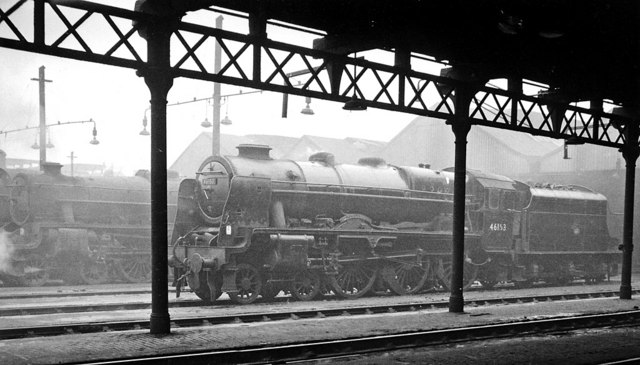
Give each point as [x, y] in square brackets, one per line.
[82, 230]
[252, 226]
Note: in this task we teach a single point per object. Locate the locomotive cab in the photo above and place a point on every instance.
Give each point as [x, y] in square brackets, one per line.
[494, 202]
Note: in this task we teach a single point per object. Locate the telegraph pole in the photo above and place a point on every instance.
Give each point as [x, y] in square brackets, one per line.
[215, 143]
[72, 157]
[43, 117]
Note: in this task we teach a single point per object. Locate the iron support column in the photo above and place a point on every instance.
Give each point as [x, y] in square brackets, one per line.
[461, 126]
[403, 61]
[159, 79]
[630, 152]
[258, 30]
[515, 86]
[596, 106]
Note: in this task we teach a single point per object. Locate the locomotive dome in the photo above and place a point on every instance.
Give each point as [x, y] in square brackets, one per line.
[323, 157]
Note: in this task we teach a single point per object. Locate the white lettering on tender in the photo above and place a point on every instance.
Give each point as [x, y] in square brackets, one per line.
[498, 227]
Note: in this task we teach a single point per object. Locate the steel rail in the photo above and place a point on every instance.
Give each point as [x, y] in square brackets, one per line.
[84, 308]
[22, 310]
[72, 293]
[20, 332]
[366, 345]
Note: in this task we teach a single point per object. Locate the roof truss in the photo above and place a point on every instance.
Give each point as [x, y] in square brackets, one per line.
[261, 63]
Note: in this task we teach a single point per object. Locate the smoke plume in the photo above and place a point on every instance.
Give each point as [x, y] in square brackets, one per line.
[6, 252]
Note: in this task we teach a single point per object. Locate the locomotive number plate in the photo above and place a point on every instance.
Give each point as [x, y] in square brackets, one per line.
[500, 227]
[209, 182]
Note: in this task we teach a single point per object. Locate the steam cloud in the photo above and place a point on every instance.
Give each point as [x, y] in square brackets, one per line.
[6, 252]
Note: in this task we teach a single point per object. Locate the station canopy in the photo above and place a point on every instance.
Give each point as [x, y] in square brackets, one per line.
[588, 50]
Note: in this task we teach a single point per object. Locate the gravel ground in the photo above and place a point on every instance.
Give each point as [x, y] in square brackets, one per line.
[126, 344]
[226, 307]
[594, 346]
[580, 347]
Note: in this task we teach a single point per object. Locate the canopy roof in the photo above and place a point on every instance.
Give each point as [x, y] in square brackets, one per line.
[587, 49]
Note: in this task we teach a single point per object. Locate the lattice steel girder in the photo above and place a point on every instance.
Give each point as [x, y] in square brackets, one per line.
[78, 36]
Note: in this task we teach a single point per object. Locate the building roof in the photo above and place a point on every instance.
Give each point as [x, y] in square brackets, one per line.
[280, 145]
[521, 143]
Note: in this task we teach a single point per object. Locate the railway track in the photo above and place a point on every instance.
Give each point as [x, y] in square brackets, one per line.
[367, 345]
[197, 321]
[24, 309]
[70, 293]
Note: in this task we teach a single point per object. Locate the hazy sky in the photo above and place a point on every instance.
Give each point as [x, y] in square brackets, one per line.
[116, 99]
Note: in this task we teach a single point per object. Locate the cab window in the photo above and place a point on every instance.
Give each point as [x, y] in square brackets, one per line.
[508, 200]
[494, 199]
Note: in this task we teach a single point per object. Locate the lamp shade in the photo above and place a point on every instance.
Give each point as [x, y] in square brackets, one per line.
[354, 104]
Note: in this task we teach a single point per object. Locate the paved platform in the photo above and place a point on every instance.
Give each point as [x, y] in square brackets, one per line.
[78, 348]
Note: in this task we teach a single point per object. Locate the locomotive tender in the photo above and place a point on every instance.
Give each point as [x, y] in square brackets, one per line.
[251, 226]
[84, 230]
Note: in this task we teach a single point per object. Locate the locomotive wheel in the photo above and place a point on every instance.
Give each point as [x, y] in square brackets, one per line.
[36, 272]
[11, 281]
[559, 280]
[406, 278]
[269, 290]
[445, 270]
[353, 281]
[134, 269]
[380, 287]
[594, 279]
[523, 284]
[249, 284]
[306, 285]
[488, 284]
[204, 292]
[93, 272]
[83, 270]
[325, 286]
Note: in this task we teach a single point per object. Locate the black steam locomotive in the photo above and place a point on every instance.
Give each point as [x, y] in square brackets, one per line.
[252, 226]
[83, 230]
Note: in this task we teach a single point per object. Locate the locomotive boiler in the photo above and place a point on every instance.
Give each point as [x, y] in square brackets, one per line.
[252, 226]
[80, 229]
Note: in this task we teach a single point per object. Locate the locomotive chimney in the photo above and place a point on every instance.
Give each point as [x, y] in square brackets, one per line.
[255, 151]
[52, 168]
